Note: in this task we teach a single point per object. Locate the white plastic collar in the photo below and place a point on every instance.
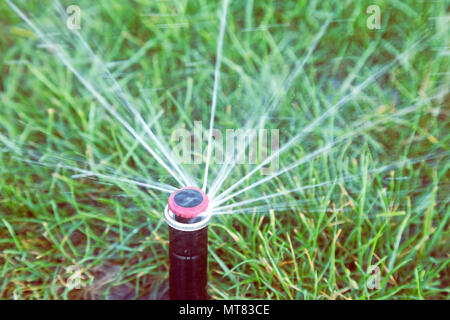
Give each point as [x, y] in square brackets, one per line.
[170, 219]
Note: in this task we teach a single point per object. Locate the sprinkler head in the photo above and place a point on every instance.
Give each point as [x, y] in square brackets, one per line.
[188, 216]
[188, 202]
[187, 209]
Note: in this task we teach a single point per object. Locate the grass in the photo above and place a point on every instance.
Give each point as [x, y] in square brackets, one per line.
[111, 236]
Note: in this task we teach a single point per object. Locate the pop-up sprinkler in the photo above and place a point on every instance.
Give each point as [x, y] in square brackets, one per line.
[188, 217]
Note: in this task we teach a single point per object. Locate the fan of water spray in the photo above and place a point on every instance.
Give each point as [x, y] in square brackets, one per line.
[200, 192]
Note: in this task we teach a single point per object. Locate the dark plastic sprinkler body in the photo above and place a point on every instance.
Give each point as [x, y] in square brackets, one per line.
[188, 220]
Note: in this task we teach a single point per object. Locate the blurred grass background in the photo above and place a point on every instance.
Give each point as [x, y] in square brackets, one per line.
[55, 229]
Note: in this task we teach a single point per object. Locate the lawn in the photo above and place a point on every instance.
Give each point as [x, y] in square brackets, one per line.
[356, 206]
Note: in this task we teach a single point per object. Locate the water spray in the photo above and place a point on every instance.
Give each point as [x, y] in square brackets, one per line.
[188, 217]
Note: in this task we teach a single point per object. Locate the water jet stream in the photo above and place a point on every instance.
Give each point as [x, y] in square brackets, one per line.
[93, 91]
[319, 120]
[223, 23]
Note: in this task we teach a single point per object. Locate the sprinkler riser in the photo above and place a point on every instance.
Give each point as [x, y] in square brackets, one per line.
[188, 217]
[188, 264]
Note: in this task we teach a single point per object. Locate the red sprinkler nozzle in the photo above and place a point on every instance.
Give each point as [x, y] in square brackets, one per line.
[188, 202]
